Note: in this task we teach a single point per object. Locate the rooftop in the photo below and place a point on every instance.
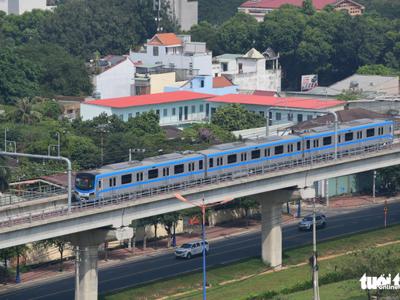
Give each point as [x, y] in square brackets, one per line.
[221, 81]
[273, 4]
[165, 39]
[365, 82]
[159, 98]
[228, 56]
[278, 102]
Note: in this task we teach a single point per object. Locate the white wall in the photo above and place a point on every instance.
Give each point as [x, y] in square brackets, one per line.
[116, 81]
[89, 111]
[18, 7]
[4, 5]
[186, 12]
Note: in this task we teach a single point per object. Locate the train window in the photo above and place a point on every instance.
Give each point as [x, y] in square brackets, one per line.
[380, 130]
[267, 152]
[139, 176]
[191, 166]
[219, 161]
[243, 156]
[99, 184]
[290, 148]
[298, 146]
[112, 182]
[339, 138]
[211, 162]
[359, 134]
[327, 140]
[255, 154]
[348, 136]
[370, 132]
[308, 144]
[278, 150]
[179, 169]
[315, 143]
[232, 158]
[200, 165]
[152, 174]
[165, 172]
[126, 178]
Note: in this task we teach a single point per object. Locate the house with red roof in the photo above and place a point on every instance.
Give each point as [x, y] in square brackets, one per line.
[259, 8]
[173, 108]
[280, 109]
[183, 107]
[175, 52]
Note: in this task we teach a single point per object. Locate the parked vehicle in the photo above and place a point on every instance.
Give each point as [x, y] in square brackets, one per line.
[307, 222]
[188, 250]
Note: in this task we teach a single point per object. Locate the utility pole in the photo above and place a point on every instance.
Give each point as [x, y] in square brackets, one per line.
[374, 186]
[315, 265]
[58, 144]
[130, 154]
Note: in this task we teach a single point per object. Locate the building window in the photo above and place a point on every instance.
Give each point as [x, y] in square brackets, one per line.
[224, 67]
[207, 109]
[173, 111]
[193, 109]
[202, 83]
[155, 51]
[121, 117]
[261, 113]
[278, 116]
[299, 118]
[137, 114]
[165, 112]
[309, 117]
[240, 68]
[290, 117]
[201, 108]
[129, 116]
[157, 112]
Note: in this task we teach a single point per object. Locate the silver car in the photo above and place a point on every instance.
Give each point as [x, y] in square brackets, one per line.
[307, 222]
[188, 250]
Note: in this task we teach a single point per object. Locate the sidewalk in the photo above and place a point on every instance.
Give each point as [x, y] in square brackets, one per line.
[120, 256]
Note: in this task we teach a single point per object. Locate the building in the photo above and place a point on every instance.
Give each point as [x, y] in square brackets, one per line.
[368, 85]
[251, 71]
[185, 12]
[280, 110]
[18, 7]
[175, 52]
[384, 105]
[152, 79]
[205, 84]
[113, 77]
[173, 108]
[259, 8]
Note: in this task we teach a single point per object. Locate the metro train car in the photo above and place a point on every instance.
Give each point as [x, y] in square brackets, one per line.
[232, 159]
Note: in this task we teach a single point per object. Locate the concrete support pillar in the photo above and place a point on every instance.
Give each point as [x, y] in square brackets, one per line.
[271, 231]
[87, 244]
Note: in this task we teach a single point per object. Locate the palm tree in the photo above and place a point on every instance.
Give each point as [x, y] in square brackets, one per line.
[25, 113]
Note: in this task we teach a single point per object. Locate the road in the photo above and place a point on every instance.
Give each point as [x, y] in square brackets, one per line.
[224, 251]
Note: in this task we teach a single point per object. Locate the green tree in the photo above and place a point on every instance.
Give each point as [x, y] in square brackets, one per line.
[377, 70]
[205, 32]
[58, 243]
[83, 151]
[308, 7]
[48, 108]
[25, 113]
[236, 117]
[170, 221]
[388, 180]
[248, 203]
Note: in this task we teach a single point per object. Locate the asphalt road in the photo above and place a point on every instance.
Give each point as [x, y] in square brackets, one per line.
[223, 251]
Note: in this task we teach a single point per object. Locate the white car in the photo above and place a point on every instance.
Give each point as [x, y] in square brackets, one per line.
[188, 250]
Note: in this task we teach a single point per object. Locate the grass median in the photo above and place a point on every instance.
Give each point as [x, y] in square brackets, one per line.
[239, 280]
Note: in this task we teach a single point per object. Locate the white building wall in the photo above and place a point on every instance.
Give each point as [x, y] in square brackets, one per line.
[18, 7]
[202, 62]
[89, 111]
[116, 81]
[4, 6]
[186, 13]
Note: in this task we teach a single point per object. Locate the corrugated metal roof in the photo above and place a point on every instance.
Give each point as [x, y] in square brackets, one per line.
[151, 99]
[273, 4]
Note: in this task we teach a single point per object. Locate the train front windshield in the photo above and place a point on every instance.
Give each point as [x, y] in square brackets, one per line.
[84, 181]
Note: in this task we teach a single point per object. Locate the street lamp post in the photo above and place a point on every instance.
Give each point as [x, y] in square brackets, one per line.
[203, 208]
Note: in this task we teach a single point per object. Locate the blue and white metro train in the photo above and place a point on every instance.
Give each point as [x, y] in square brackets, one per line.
[233, 159]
